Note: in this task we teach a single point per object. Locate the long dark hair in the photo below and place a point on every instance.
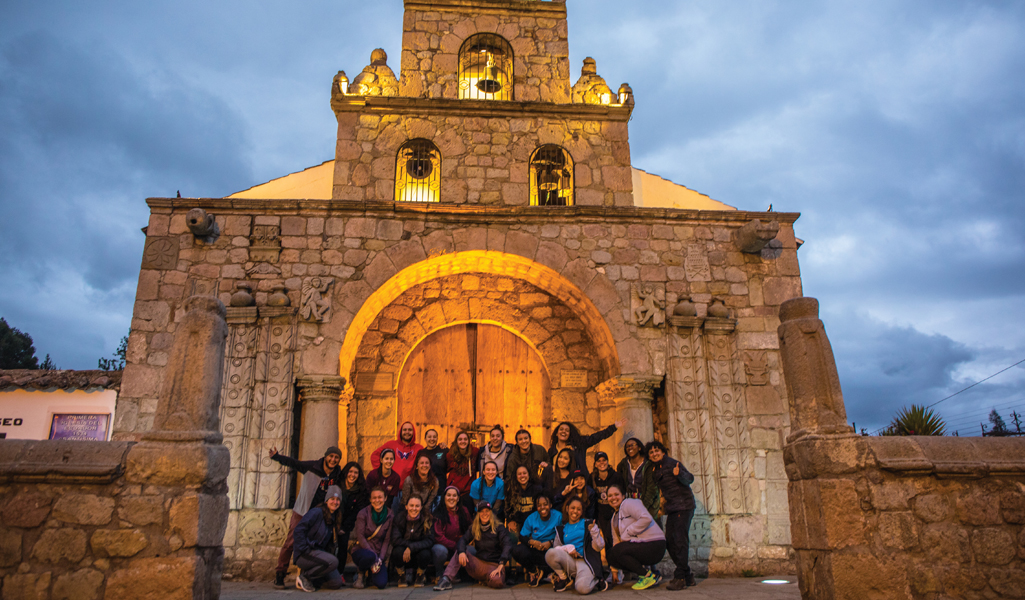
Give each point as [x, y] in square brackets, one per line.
[514, 492]
[462, 513]
[574, 435]
[361, 480]
[572, 461]
[380, 468]
[463, 460]
[420, 486]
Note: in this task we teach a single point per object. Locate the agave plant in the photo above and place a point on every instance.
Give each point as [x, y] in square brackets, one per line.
[917, 420]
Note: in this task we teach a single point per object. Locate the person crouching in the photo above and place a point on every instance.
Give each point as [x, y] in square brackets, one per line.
[316, 539]
[412, 537]
[492, 546]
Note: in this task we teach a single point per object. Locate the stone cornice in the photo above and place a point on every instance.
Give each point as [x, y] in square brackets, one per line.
[469, 213]
[320, 389]
[553, 9]
[447, 107]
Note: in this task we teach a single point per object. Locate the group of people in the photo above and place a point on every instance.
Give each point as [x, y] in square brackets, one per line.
[494, 513]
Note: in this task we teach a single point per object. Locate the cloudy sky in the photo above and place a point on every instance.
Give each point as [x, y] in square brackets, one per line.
[896, 128]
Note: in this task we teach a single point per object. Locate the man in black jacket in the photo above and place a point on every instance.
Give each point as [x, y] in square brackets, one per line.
[673, 481]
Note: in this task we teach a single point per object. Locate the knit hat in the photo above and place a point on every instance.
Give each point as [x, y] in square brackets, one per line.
[333, 492]
[333, 450]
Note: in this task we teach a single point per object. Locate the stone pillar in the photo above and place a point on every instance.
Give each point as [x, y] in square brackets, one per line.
[183, 463]
[632, 395]
[320, 397]
[813, 385]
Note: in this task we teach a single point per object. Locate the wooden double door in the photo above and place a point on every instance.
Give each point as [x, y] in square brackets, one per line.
[472, 377]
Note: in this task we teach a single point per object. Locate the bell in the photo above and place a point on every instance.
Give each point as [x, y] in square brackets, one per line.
[548, 179]
[492, 81]
[419, 167]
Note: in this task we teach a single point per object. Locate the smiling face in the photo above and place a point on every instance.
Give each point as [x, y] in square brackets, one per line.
[406, 433]
[544, 507]
[602, 464]
[451, 499]
[377, 500]
[655, 454]
[523, 441]
[562, 461]
[333, 503]
[496, 438]
[423, 466]
[579, 482]
[331, 461]
[485, 516]
[462, 440]
[614, 497]
[522, 475]
[490, 472]
[562, 433]
[387, 461]
[351, 475]
[431, 439]
[573, 509]
[632, 448]
[413, 506]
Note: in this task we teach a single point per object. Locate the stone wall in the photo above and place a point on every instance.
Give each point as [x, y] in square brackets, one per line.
[893, 517]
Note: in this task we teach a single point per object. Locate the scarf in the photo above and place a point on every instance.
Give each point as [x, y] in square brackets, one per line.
[379, 517]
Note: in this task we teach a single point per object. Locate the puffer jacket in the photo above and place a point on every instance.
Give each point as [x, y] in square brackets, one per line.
[315, 532]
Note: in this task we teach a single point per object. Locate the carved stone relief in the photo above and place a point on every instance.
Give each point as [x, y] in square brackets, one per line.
[696, 264]
[756, 366]
[648, 305]
[265, 243]
[160, 253]
[236, 399]
[263, 528]
[315, 303]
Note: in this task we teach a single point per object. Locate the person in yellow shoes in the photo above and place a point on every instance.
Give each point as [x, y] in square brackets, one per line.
[636, 540]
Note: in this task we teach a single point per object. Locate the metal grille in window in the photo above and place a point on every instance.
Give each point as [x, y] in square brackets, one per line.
[418, 172]
[551, 177]
[486, 68]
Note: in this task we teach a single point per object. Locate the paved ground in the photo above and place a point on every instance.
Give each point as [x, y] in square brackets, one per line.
[707, 589]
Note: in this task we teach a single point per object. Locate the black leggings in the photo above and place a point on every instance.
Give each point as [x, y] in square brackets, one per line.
[529, 558]
[421, 559]
[633, 556]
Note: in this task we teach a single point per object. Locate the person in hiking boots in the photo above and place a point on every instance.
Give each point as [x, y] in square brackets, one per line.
[636, 540]
[673, 481]
[576, 556]
[412, 537]
[493, 547]
[316, 543]
[373, 541]
[318, 476]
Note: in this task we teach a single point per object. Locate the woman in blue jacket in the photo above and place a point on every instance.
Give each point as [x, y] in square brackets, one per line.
[316, 541]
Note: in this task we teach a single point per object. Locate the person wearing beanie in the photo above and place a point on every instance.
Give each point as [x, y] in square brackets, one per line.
[318, 476]
[577, 488]
[316, 543]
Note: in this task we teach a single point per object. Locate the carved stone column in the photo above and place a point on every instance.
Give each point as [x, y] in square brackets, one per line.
[319, 397]
[632, 396]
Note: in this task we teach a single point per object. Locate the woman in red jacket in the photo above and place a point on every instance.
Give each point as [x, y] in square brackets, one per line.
[451, 520]
[461, 460]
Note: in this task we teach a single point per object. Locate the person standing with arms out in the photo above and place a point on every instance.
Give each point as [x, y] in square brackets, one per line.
[412, 537]
[316, 543]
[496, 450]
[405, 450]
[493, 546]
[566, 435]
[386, 478]
[673, 480]
[537, 536]
[421, 483]
[318, 476]
[527, 454]
[635, 469]
[438, 455]
[373, 542]
[451, 520]
[462, 459]
[576, 556]
[355, 497]
[636, 540]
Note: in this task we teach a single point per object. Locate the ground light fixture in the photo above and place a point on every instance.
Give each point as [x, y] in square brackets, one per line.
[775, 581]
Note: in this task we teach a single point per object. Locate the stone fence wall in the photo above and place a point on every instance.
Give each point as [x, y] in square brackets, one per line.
[893, 517]
[88, 520]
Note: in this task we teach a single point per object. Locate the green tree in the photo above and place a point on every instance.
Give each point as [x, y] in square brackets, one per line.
[999, 427]
[917, 420]
[117, 361]
[48, 365]
[16, 350]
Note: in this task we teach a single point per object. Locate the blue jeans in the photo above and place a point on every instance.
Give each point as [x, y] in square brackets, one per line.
[364, 560]
[441, 554]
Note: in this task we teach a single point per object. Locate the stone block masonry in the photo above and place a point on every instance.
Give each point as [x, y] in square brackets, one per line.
[893, 517]
[126, 520]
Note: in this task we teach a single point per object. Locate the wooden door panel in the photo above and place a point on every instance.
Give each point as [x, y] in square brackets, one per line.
[436, 384]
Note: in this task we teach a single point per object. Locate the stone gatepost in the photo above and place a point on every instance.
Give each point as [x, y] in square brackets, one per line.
[320, 398]
[632, 396]
[183, 461]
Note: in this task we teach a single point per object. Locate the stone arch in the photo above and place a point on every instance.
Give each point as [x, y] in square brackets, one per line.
[590, 313]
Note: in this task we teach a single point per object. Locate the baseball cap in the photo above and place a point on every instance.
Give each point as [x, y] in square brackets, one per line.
[482, 505]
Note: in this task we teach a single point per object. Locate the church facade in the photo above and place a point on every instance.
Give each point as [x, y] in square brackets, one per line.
[481, 251]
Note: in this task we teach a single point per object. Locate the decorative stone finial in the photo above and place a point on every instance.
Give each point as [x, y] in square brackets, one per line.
[590, 88]
[626, 95]
[243, 295]
[378, 57]
[685, 308]
[816, 402]
[377, 78]
[340, 84]
[278, 296]
[590, 67]
[188, 408]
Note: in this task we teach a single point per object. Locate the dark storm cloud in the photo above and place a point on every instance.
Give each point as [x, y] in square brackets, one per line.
[896, 128]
